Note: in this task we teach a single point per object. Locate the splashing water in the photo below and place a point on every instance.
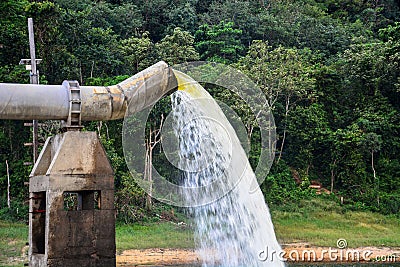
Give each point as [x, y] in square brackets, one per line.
[233, 224]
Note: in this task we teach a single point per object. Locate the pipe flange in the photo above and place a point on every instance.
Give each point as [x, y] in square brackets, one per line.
[74, 120]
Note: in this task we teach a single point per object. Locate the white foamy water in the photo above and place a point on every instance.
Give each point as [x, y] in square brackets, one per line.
[232, 223]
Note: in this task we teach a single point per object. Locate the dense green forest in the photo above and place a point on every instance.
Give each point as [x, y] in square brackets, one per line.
[330, 70]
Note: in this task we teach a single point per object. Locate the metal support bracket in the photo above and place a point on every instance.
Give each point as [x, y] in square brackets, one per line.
[73, 122]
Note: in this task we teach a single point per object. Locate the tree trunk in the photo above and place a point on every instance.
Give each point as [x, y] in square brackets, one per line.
[374, 172]
[91, 70]
[8, 187]
[148, 174]
[284, 129]
[333, 174]
[10, 138]
[80, 73]
[99, 126]
[153, 139]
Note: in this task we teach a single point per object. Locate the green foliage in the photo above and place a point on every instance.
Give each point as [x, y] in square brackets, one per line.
[130, 201]
[125, 19]
[17, 212]
[13, 74]
[241, 13]
[390, 33]
[302, 24]
[137, 52]
[97, 54]
[106, 81]
[177, 48]
[281, 190]
[219, 43]
[182, 15]
[269, 68]
[13, 33]
[373, 14]
[308, 130]
[154, 14]
[12, 137]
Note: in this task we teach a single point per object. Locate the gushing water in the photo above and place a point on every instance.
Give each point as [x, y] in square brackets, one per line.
[233, 224]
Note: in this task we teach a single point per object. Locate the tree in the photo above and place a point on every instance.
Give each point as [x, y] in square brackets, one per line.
[155, 17]
[177, 48]
[13, 40]
[391, 32]
[137, 52]
[125, 19]
[153, 138]
[308, 138]
[97, 54]
[372, 143]
[284, 75]
[244, 15]
[358, 92]
[13, 31]
[182, 15]
[303, 24]
[219, 43]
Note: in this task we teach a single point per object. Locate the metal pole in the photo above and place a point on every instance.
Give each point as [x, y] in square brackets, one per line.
[33, 80]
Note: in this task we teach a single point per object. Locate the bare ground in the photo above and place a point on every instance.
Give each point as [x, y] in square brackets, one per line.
[297, 252]
[293, 252]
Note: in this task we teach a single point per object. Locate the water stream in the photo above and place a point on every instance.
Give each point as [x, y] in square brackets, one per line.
[232, 223]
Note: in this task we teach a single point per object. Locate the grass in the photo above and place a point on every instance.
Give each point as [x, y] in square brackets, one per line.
[153, 235]
[316, 222]
[13, 237]
[323, 223]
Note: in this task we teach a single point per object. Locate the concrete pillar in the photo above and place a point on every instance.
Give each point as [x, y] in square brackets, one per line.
[72, 217]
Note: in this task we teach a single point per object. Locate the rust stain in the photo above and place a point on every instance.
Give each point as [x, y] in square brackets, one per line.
[100, 90]
[142, 78]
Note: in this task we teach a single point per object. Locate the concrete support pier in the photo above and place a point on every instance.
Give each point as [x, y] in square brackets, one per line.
[71, 206]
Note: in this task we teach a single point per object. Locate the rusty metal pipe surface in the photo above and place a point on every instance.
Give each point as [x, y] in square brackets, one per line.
[51, 102]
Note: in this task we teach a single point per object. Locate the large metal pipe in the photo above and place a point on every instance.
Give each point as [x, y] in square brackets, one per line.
[52, 102]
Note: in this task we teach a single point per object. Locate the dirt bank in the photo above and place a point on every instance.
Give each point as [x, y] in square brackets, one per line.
[134, 257]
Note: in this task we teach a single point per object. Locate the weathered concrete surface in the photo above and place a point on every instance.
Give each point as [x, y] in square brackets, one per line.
[72, 217]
